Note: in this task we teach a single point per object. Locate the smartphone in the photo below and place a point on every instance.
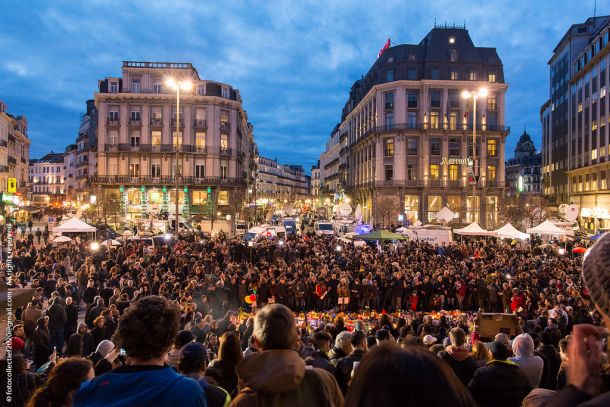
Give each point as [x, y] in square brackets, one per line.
[122, 352]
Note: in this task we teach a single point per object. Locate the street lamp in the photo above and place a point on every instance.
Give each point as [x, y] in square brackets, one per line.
[474, 95]
[186, 85]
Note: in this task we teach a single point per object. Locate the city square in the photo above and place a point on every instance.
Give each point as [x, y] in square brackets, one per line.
[247, 209]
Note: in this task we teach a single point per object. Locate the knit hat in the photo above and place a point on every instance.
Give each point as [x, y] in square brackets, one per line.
[596, 273]
[498, 350]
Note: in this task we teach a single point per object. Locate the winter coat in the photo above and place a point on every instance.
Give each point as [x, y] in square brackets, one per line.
[500, 383]
[570, 396]
[280, 378]
[460, 361]
[552, 362]
[73, 347]
[345, 366]
[57, 317]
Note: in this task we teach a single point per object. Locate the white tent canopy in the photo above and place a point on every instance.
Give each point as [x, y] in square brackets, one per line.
[547, 228]
[474, 230]
[62, 239]
[74, 225]
[508, 231]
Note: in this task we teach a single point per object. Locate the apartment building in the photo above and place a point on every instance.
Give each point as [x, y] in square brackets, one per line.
[14, 150]
[281, 182]
[47, 180]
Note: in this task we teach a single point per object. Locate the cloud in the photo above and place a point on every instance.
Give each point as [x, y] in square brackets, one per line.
[294, 63]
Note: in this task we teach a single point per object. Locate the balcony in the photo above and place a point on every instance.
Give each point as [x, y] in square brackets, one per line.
[225, 127]
[111, 148]
[23, 160]
[156, 122]
[225, 151]
[115, 180]
[12, 160]
[3, 143]
[174, 123]
[82, 176]
[112, 122]
[3, 168]
[201, 124]
[82, 164]
[134, 123]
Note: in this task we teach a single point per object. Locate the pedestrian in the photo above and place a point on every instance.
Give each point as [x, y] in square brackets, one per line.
[42, 342]
[57, 324]
[458, 358]
[523, 348]
[64, 380]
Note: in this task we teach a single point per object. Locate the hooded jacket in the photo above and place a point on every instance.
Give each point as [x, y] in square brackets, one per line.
[460, 361]
[280, 378]
[532, 366]
[74, 343]
[144, 386]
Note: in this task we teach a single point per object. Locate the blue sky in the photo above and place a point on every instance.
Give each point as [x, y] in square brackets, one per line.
[293, 62]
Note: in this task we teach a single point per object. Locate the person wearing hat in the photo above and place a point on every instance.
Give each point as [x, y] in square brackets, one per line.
[500, 383]
[192, 362]
[584, 376]
[181, 339]
[429, 340]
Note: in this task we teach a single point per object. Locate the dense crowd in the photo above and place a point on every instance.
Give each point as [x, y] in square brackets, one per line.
[131, 325]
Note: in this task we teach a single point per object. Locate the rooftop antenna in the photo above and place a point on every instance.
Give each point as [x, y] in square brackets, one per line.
[594, 11]
[464, 24]
[434, 22]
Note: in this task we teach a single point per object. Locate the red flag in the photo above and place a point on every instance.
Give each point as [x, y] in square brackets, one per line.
[386, 46]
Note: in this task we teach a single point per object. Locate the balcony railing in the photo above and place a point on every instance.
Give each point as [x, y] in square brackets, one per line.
[201, 124]
[156, 122]
[3, 143]
[225, 151]
[225, 127]
[167, 148]
[110, 121]
[82, 164]
[135, 123]
[12, 160]
[167, 180]
[3, 168]
[422, 183]
[174, 123]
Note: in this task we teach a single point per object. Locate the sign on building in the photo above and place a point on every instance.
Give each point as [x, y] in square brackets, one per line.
[11, 187]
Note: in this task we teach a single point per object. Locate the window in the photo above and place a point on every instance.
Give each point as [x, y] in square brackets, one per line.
[155, 138]
[177, 138]
[453, 172]
[492, 103]
[389, 100]
[411, 99]
[113, 137]
[389, 173]
[434, 122]
[199, 170]
[134, 170]
[473, 75]
[454, 99]
[113, 116]
[157, 88]
[135, 139]
[200, 140]
[157, 114]
[411, 173]
[388, 148]
[223, 198]
[389, 120]
[412, 120]
[453, 75]
[135, 115]
[224, 169]
[435, 98]
[435, 74]
[135, 85]
[435, 146]
[155, 170]
[412, 74]
[453, 121]
[201, 90]
[224, 117]
[224, 141]
[492, 148]
[491, 173]
[114, 87]
[594, 154]
[454, 147]
[389, 75]
[412, 146]
[453, 56]
[491, 77]
[200, 197]
[225, 92]
[602, 92]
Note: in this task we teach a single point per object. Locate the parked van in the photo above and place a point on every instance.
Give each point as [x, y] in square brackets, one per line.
[290, 225]
[323, 228]
[241, 228]
[258, 233]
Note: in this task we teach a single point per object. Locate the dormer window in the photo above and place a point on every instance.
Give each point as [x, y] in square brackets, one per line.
[225, 92]
[114, 87]
[453, 56]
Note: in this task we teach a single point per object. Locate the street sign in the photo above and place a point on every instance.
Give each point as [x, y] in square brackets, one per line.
[11, 185]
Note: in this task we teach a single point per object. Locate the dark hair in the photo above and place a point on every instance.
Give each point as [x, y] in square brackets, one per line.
[229, 350]
[457, 336]
[546, 338]
[391, 376]
[147, 329]
[382, 335]
[65, 378]
[358, 338]
[319, 338]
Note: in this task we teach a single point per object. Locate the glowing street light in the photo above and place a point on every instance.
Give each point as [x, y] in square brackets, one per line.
[95, 246]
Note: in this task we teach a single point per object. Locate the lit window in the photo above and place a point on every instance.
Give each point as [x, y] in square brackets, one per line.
[223, 197]
[602, 92]
[473, 76]
[453, 172]
[454, 75]
[491, 77]
[389, 147]
[594, 154]
[492, 146]
[434, 172]
[579, 107]
[491, 173]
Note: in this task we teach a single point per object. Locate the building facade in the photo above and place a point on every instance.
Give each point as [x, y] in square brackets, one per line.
[330, 181]
[86, 155]
[70, 173]
[557, 113]
[47, 177]
[315, 181]
[281, 181]
[523, 171]
[589, 119]
[406, 140]
[14, 150]
[137, 142]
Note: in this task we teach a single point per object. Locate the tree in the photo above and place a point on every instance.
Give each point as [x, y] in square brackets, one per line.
[386, 209]
[527, 210]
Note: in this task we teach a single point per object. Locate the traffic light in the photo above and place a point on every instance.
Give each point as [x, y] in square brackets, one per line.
[209, 190]
[186, 190]
[164, 189]
[143, 188]
[121, 189]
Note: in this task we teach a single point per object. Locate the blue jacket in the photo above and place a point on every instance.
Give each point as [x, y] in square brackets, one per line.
[145, 386]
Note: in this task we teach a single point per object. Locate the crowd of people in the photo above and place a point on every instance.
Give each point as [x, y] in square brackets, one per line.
[200, 321]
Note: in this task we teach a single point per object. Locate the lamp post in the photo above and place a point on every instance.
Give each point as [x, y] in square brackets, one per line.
[474, 95]
[186, 86]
